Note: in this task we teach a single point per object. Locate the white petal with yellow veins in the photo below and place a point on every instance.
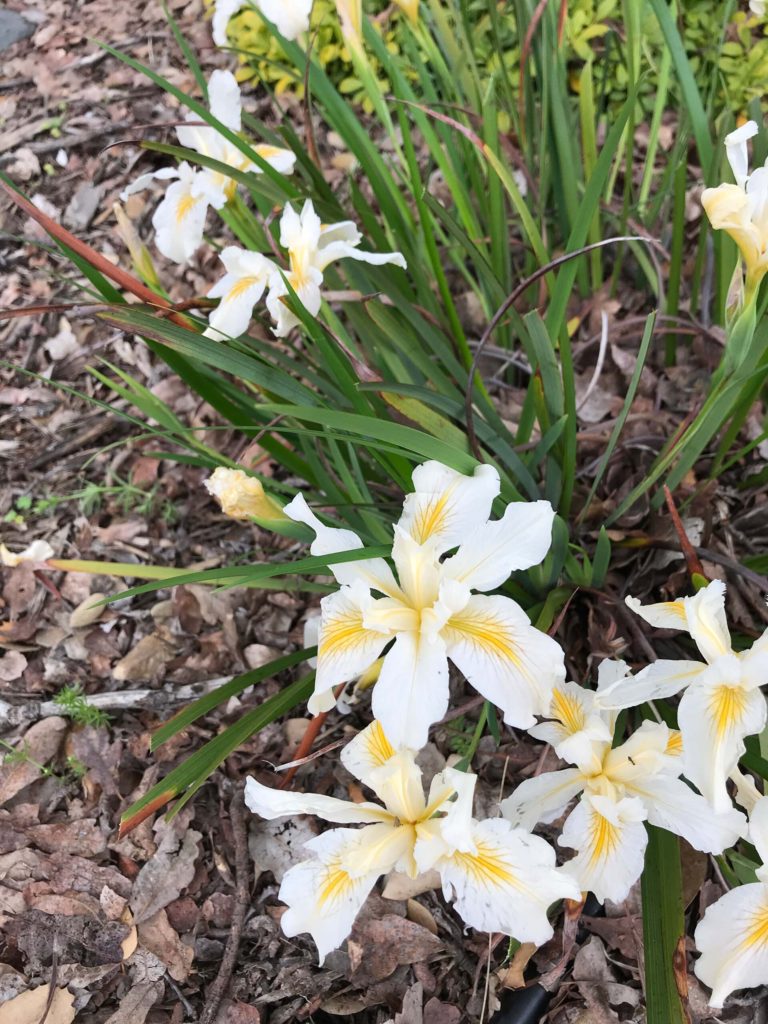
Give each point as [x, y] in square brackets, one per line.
[508, 883]
[733, 941]
[505, 658]
[610, 839]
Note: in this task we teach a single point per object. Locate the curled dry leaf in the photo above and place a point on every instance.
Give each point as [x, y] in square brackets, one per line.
[157, 935]
[377, 946]
[12, 664]
[419, 914]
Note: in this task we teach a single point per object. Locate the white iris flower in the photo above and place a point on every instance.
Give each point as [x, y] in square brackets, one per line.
[733, 935]
[311, 247]
[37, 551]
[179, 220]
[502, 878]
[742, 209]
[429, 610]
[622, 787]
[722, 702]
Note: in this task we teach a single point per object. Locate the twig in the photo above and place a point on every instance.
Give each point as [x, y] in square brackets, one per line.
[692, 561]
[310, 757]
[116, 700]
[221, 982]
[54, 976]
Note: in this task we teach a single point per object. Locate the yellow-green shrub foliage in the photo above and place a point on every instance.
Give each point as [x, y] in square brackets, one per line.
[594, 31]
[262, 57]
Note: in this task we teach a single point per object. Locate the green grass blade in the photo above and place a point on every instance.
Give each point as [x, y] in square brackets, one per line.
[196, 769]
[209, 701]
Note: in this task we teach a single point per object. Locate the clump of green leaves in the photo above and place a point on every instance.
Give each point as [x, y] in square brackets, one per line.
[74, 768]
[74, 703]
[90, 498]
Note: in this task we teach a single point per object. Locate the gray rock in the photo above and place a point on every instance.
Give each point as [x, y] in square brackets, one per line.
[82, 206]
[13, 28]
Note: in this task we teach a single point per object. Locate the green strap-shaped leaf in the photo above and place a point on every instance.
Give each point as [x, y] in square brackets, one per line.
[663, 926]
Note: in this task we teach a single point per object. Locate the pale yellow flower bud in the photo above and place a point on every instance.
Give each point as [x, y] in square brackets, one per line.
[242, 496]
[409, 7]
[741, 209]
[351, 15]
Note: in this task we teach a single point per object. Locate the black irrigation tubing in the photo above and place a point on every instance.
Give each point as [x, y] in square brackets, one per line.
[529, 1005]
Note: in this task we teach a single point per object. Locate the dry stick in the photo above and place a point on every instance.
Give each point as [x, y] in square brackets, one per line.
[692, 561]
[116, 274]
[54, 976]
[242, 899]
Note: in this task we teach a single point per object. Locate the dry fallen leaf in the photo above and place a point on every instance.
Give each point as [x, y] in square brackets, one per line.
[377, 946]
[87, 612]
[157, 935]
[411, 1010]
[399, 886]
[41, 743]
[83, 838]
[437, 1012]
[146, 662]
[418, 913]
[136, 1003]
[12, 664]
[277, 845]
[166, 874]
[29, 1007]
[513, 976]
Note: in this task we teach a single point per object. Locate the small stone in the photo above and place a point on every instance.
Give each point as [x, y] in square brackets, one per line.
[13, 28]
[25, 164]
[87, 612]
[82, 206]
[257, 655]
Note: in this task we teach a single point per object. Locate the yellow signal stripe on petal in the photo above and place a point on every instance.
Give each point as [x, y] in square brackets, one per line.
[726, 707]
[486, 866]
[340, 635]
[240, 286]
[489, 633]
[675, 743]
[431, 518]
[379, 748]
[186, 204]
[335, 884]
[604, 839]
[567, 709]
[757, 935]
